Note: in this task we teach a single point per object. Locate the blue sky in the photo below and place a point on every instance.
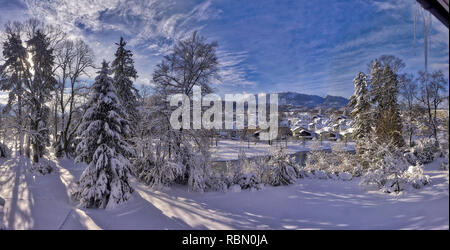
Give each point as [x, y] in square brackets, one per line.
[312, 47]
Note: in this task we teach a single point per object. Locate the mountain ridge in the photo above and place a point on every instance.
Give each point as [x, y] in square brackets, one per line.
[299, 99]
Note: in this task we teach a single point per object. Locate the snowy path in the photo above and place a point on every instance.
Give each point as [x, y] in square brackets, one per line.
[42, 202]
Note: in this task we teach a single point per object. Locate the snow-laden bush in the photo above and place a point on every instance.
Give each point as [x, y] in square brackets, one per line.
[317, 159]
[263, 169]
[424, 151]
[160, 174]
[338, 164]
[386, 170]
[244, 173]
[390, 171]
[4, 151]
[249, 181]
[218, 182]
[42, 167]
[414, 175]
[411, 158]
[344, 165]
[198, 167]
[282, 168]
[155, 168]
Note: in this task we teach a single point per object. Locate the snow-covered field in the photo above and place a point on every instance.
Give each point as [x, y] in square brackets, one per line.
[42, 202]
[229, 150]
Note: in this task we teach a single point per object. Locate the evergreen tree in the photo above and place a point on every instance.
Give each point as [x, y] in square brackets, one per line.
[376, 82]
[104, 182]
[124, 72]
[384, 93]
[12, 74]
[361, 109]
[38, 91]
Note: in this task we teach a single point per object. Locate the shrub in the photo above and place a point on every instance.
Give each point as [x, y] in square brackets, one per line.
[424, 151]
[414, 175]
[218, 183]
[390, 172]
[282, 168]
[338, 164]
[161, 174]
[245, 174]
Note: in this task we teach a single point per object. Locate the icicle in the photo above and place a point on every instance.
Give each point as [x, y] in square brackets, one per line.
[426, 16]
[427, 28]
[415, 24]
[425, 42]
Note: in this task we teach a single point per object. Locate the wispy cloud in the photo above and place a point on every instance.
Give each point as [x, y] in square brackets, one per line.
[150, 26]
[391, 5]
[263, 45]
[233, 69]
[154, 24]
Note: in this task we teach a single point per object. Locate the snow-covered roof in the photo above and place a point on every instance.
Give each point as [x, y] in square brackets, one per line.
[324, 130]
[347, 131]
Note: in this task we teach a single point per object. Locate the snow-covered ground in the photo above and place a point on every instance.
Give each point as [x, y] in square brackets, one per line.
[42, 202]
[229, 149]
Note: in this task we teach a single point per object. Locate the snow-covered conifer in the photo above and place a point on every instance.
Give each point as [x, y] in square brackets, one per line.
[104, 182]
[360, 104]
[384, 92]
[37, 92]
[124, 71]
[12, 75]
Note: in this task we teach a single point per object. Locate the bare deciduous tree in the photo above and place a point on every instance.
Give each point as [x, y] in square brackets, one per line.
[432, 88]
[408, 92]
[192, 63]
[73, 59]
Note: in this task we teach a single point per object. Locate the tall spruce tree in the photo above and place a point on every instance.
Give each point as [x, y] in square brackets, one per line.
[361, 110]
[124, 72]
[12, 74]
[38, 91]
[384, 93]
[104, 182]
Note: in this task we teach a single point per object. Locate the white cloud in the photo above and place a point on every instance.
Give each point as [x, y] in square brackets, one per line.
[386, 5]
[232, 69]
[153, 23]
[375, 37]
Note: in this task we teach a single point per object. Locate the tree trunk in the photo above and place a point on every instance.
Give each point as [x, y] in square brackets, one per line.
[34, 142]
[410, 138]
[20, 124]
[28, 150]
[55, 123]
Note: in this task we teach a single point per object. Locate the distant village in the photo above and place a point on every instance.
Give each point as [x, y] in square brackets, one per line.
[302, 123]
